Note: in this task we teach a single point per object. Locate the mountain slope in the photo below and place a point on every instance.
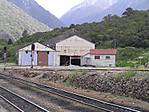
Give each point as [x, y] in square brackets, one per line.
[95, 11]
[122, 5]
[81, 13]
[14, 21]
[32, 8]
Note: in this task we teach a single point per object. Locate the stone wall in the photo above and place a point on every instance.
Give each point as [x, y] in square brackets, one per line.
[132, 87]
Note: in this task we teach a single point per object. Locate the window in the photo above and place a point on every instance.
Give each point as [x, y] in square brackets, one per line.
[107, 57]
[97, 57]
[26, 52]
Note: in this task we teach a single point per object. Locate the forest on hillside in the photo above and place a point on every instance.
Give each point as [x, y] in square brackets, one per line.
[131, 29]
[129, 32]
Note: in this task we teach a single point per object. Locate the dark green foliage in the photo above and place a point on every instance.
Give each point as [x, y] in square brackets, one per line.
[129, 53]
[11, 51]
[129, 56]
[10, 42]
[125, 75]
[132, 29]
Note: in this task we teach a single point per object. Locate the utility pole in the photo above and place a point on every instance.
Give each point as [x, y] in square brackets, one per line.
[5, 56]
[115, 43]
[32, 55]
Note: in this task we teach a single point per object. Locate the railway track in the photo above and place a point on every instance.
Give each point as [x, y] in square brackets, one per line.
[102, 105]
[81, 68]
[19, 103]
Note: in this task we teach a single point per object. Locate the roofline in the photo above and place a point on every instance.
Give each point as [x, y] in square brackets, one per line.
[97, 54]
[101, 54]
[77, 36]
[105, 49]
[33, 43]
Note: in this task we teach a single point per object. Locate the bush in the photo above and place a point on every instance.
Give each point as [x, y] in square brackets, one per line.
[73, 75]
[125, 75]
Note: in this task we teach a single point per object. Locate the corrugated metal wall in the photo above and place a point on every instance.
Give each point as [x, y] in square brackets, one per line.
[43, 58]
[25, 58]
[51, 59]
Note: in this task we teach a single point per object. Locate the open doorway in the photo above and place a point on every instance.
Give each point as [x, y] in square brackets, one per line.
[64, 60]
[75, 60]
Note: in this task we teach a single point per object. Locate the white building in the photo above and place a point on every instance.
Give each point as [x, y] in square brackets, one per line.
[71, 49]
[43, 56]
[99, 57]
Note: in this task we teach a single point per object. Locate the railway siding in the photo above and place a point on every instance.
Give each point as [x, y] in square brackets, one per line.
[110, 107]
[20, 103]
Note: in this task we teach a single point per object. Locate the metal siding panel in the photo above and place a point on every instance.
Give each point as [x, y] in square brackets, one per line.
[42, 58]
[51, 59]
[25, 59]
[19, 58]
[35, 58]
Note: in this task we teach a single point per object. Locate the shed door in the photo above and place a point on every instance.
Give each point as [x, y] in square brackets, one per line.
[42, 58]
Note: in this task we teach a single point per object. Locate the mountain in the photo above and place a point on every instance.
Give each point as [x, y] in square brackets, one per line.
[6, 36]
[32, 8]
[14, 21]
[95, 10]
[122, 5]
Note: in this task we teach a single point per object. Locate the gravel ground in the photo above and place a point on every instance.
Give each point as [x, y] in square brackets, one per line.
[5, 107]
[51, 102]
[99, 95]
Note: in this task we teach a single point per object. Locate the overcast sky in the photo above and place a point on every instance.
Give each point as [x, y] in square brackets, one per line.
[58, 7]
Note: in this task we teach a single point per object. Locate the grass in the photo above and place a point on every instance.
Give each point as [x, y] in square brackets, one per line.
[73, 75]
[125, 75]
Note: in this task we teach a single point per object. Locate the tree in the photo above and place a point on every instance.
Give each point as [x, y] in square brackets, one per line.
[25, 33]
[10, 42]
[128, 12]
[72, 26]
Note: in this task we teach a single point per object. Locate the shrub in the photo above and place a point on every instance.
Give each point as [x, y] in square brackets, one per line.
[125, 75]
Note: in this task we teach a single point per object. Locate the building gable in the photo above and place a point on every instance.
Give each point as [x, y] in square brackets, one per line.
[38, 47]
[75, 38]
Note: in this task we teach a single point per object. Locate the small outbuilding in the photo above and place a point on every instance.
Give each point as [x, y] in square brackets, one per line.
[43, 56]
[99, 57]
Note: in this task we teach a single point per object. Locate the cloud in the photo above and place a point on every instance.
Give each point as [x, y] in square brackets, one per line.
[58, 7]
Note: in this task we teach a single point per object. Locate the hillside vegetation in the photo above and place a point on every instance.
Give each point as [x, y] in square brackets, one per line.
[129, 33]
[14, 21]
[130, 30]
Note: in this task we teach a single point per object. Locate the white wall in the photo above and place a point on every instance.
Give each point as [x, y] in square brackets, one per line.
[74, 46]
[25, 58]
[53, 59]
[98, 62]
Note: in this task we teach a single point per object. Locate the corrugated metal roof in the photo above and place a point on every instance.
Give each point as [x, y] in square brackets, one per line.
[38, 47]
[103, 51]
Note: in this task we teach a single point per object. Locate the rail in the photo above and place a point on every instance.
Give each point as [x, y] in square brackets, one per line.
[20, 103]
[109, 107]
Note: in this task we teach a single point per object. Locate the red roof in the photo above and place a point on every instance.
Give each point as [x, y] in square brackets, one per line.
[103, 51]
